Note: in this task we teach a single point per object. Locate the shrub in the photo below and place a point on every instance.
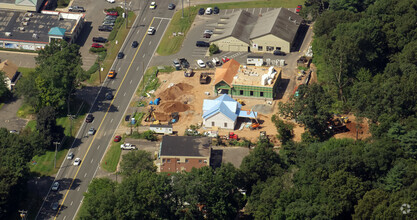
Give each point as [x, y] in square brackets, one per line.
[97, 50]
[213, 49]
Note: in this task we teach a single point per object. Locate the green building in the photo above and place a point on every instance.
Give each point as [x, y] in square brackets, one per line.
[247, 82]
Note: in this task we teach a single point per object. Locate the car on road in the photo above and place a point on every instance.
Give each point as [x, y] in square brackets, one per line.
[184, 63]
[55, 186]
[70, 156]
[171, 6]
[111, 1]
[153, 5]
[225, 59]
[177, 64]
[279, 53]
[201, 11]
[89, 118]
[151, 31]
[127, 146]
[96, 45]
[118, 138]
[216, 10]
[111, 74]
[201, 63]
[112, 13]
[77, 161]
[202, 44]
[209, 11]
[109, 96]
[76, 9]
[298, 9]
[99, 39]
[120, 55]
[135, 44]
[54, 206]
[105, 28]
[91, 131]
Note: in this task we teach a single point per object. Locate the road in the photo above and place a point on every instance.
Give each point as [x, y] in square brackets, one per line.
[108, 114]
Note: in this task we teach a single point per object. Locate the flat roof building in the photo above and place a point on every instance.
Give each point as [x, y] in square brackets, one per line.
[21, 5]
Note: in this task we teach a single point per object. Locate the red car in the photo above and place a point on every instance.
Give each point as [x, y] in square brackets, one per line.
[112, 13]
[225, 59]
[96, 45]
[298, 8]
[117, 138]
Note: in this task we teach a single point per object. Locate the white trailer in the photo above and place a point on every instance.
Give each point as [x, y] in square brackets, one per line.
[161, 129]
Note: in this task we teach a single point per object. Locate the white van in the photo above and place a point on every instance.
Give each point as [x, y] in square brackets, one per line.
[209, 11]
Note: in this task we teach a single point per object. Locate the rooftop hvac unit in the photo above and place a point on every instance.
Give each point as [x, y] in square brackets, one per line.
[28, 14]
[8, 34]
[34, 36]
[21, 28]
[25, 23]
[26, 19]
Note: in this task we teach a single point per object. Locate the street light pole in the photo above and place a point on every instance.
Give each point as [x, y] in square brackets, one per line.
[126, 13]
[56, 149]
[23, 214]
[182, 4]
[99, 68]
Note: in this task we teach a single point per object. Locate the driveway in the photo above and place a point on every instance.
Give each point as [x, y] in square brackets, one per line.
[8, 118]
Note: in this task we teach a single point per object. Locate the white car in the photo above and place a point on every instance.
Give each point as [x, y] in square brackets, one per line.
[111, 1]
[209, 11]
[55, 186]
[70, 156]
[151, 31]
[91, 131]
[127, 146]
[153, 5]
[201, 64]
[77, 161]
[208, 32]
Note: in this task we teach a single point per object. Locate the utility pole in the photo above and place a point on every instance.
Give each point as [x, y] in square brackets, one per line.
[99, 68]
[56, 149]
[126, 13]
[71, 118]
[182, 5]
[23, 214]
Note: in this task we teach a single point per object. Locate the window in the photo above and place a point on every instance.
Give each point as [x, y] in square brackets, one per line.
[269, 48]
[200, 161]
[260, 48]
[251, 93]
[225, 125]
[168, 160]
[240, 92]
[261, 94]
[163, 160]
[212, 124]
[186, 160]
[278, 48]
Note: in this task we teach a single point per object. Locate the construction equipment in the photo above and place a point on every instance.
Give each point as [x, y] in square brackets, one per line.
[254, 126]
[175, 116]
[188, 72]
[262, 135]
[232, 135]
[338, 124]
[204, 78]
[150, 116]
[240, 101]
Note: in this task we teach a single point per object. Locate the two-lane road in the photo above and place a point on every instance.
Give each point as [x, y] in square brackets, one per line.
[108, 114]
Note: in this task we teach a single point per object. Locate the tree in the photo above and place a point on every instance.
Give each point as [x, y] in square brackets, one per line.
[137, 161]
[285, 130]
[46, 125]
[99, 200]
[4, 91]
[213, 49]
[366, 206]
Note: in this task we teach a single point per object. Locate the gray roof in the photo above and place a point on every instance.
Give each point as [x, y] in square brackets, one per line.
[185, 146]
[238, 24]
[280, 22]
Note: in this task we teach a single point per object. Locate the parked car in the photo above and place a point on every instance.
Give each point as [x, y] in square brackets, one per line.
[171, 6]
[70, 156]
[77, 161]
[153, 5]
[201, 63]
[298, 9]
[184, 63]
[206, 35]
[127, 118]
[216, 61]
[202, 44]
[279, 53]
[216, 10]
[177, 64]
[120, 55]
[89, 118]
[76, 9]
[105, 28]
[54, 206]
[208, 32]
[109, 96]
[111, 74]
[209, 11]
[110, 18]
[201, 11]
[108, 23]
[225, 59]
[111, 1]
[135, 44]
[96, 45]
[99, 39]
[117, 138]
[127, 146]
[55, 186]
[210, 64]
[112, 13]
[91, 131]
[151, 31]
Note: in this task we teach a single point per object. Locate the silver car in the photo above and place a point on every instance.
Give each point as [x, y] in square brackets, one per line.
[55, 186]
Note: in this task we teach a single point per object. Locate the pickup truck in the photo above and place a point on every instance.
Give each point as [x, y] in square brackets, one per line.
[76, 9]
[127, 146]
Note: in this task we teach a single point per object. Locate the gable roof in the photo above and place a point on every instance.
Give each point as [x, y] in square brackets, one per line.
[280, 22]
[57, 31]
[224, 104]
[26, 2]
[238, 25]
[226, 72]
[185, 146]
[9, 68]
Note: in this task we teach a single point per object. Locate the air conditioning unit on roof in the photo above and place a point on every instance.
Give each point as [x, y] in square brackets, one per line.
[8, 34]
[21, 28]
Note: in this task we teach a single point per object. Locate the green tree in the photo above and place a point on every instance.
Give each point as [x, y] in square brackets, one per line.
[137, 161]
[99, 200]
[366, 206]
[285, 130]
[213, 49]
[4, 91]
[46, 125]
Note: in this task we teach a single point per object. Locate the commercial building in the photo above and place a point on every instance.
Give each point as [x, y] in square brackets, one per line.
[33, 31]
[242, 31]
[244, 81]
[21, 5]
[182, 153]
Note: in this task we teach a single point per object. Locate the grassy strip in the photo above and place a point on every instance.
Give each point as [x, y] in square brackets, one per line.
[19, 50]
[171, 45]
[149, 82]
[111, 159]
[31, 125]
[44, 165]
[113, 49]
[25, 71]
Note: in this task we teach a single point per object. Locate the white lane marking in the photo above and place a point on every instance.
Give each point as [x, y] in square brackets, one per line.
[72, 202]
[118, 70]
[105, 133]
[144, 18]
[65, 216]
[92, 160]
[118, 107]
[112, 82]
[137, 69]
[253, 12]
[150, 42]
[98, 147]
[130, 82]
[157, 27]
[138, 32]
[85, 174]
[78, 189]
[111, 120]
[142, 56]
[124, 94]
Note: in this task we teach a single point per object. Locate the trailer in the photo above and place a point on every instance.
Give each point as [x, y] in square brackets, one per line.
[255, 60]
[161, 129]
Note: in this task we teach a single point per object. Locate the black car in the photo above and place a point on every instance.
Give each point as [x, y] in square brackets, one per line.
[127, 118]
[210, 64]
[202, 44]
[109, 96]
[216, 10]
[184, 63]
[279, 53]
[171, 6]
[201, 11]
[99, 39]
[105, 28]
[135, 44]
[120, 55]
[89, 118]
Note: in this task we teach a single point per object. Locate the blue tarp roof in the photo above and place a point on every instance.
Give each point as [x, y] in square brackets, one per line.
[57, 31]
[224, 104]
[247, 114]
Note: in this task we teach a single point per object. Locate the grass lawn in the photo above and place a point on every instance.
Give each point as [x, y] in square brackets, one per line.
[25, 111]
[171, 45]
[149, 82]
[44, 165]
[25, 71]
[111, 159]
[31, 125]
[113, 49]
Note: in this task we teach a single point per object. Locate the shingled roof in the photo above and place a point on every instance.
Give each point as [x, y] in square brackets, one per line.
[185, 146]
[238, 25]
[226, 72]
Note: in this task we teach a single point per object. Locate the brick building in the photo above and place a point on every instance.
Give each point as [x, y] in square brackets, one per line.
[182, 153]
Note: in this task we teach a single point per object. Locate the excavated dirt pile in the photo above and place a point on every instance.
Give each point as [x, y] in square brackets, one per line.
[171, 96]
